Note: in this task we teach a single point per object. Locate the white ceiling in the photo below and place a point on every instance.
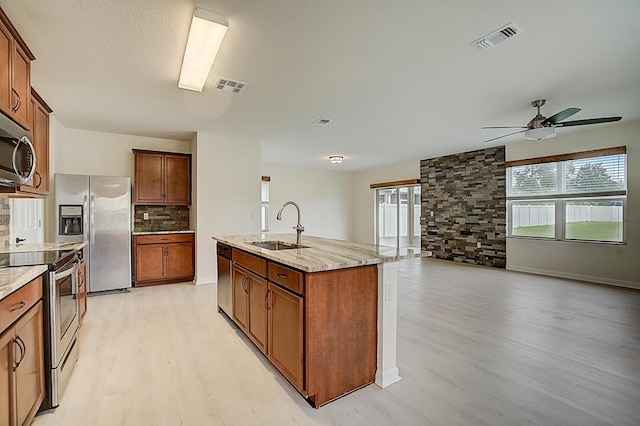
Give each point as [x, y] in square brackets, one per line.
[400, 79]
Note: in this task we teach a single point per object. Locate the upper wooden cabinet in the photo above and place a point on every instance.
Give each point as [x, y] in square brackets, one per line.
[15, 74]
[162, 178]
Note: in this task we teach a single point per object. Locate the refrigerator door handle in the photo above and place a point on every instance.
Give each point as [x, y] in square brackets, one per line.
[92, 230]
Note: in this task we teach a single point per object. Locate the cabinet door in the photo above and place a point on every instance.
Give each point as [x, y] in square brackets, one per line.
[5, 67]
[6, 370]
[178, 179]
[30, 371]
[285, 334]
[149, 178]
[150, 262]
[240, 298]
[41, 145]
[257, 329]
[21, 86]
[180, 261]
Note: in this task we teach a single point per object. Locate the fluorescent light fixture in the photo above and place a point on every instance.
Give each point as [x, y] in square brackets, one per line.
[540, 133]
[336, 159]
[205, 37]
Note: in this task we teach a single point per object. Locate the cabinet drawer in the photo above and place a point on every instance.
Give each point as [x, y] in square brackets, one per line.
[286, 277]
[251, 262]
[19, 302]
[164, 238]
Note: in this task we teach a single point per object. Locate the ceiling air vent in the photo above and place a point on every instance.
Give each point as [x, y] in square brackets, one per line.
[322, 122]
[228, 85]
[498, 36]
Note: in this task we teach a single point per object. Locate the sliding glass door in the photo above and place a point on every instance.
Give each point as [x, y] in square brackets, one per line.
[398, 216]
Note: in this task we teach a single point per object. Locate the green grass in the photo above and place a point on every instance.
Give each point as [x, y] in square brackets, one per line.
[596, 231]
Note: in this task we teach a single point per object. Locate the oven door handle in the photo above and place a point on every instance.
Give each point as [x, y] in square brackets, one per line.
[67, 272]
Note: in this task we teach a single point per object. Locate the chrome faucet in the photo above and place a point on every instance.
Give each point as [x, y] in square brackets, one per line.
[299, 228]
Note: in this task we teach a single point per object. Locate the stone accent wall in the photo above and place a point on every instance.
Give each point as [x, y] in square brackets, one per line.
[5, 218]
[467, 195]
[161, 218]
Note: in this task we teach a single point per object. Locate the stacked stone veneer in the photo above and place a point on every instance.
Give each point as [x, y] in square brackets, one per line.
[161, 218]
[467, 195]
[5, 218]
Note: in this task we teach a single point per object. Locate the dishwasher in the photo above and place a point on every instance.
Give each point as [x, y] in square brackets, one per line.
[225, 292]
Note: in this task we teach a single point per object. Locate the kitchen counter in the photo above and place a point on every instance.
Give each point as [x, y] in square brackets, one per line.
[320, 254]
[21, 248]
[12, 279]
[162, 232]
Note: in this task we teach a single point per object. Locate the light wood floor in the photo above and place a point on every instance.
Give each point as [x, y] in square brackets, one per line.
[476, 346]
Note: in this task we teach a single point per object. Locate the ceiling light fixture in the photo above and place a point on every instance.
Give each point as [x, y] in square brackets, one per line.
[336, 159]
[205, 37]
[540, 133]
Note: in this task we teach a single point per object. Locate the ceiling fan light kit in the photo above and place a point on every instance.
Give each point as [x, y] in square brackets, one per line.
[541, 127]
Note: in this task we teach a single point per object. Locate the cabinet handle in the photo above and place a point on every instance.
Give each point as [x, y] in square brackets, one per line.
[18, 341]
[266, 300]
[244, 284]
[39, 181]
[15, 107]
[17, 307]
[283, 276]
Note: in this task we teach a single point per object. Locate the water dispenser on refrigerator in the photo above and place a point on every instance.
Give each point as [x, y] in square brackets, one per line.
[70, 219]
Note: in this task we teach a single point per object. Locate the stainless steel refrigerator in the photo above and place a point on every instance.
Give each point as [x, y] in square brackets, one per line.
[97, 209]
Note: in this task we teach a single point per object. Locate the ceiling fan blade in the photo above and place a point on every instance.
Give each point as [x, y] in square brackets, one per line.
[504, 127]
[504, 136]
[554, 119]
[588, 121]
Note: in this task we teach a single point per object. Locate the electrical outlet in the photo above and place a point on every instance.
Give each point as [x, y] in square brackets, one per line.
[145, 216]
[479, 244]
[428, 253]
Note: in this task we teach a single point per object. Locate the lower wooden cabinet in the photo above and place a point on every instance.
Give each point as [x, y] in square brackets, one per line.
[250, 305]
[285, 332]
[21, 358]
[163, 258]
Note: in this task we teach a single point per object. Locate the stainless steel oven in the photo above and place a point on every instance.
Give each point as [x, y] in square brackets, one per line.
[63, 326]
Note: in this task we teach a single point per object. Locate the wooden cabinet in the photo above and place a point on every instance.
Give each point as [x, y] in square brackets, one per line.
[82, 289]
[321, 327]
[163, 258]
[21, 355]
[15, 74]
[250, 305]
[285, 331]
[162, 178]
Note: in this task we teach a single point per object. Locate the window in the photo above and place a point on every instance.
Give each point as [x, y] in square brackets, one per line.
[398, 224]
[579, 196]
[264, 206]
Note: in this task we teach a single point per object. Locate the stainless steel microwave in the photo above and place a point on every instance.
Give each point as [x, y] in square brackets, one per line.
[17, 156]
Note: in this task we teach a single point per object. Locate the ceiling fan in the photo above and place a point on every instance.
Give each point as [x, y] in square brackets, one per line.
[541, 127]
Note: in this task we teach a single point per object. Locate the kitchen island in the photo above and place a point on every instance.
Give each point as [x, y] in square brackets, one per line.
[323, 312]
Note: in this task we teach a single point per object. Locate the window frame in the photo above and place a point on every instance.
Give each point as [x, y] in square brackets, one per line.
[560, 200]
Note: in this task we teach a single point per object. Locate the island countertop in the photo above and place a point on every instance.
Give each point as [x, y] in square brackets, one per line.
[320, 254]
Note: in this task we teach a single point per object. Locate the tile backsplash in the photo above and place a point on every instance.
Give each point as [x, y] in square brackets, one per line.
[161, 218]
[5, 217]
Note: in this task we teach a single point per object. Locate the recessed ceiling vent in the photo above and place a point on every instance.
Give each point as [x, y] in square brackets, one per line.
[228, 85]
[322, 122]
[498, 36]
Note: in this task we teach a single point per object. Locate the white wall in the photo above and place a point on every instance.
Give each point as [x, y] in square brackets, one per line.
[363, 218]
[226, 194]
[86, 152]
[324, 197]
[604, 263]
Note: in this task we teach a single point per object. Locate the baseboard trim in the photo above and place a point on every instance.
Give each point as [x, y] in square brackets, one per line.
[206, 280]
[579, 277]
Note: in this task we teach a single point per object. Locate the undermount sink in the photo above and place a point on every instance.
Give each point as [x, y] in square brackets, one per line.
[276, 245]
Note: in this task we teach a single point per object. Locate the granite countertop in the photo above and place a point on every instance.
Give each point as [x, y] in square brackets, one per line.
[20, 248]
[12, 279]
[162, 232]
[320, 254]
